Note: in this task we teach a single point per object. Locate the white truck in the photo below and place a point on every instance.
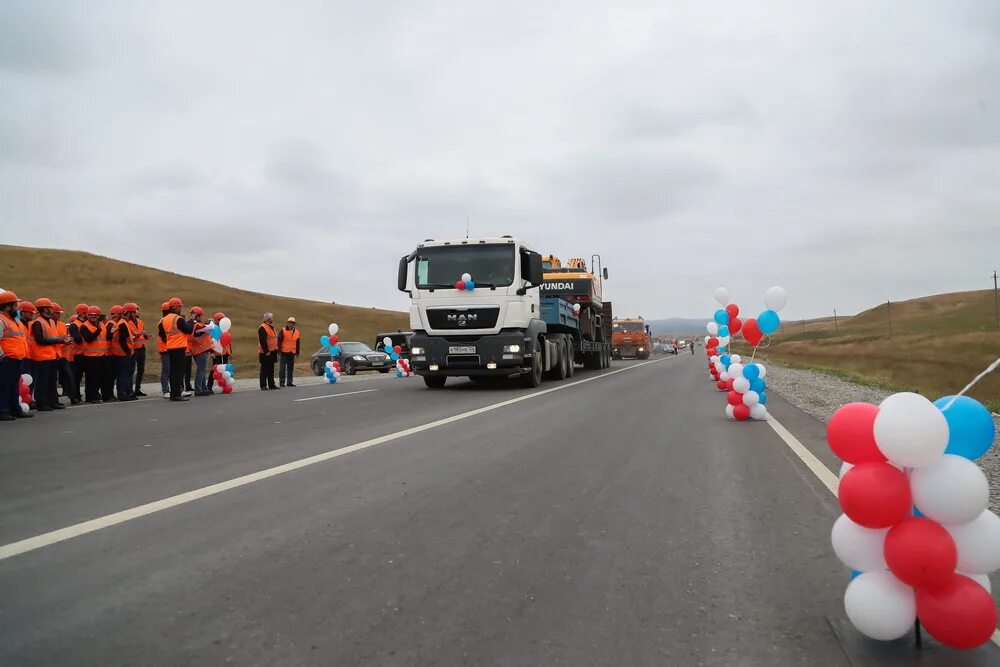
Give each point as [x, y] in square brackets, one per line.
[498, 328]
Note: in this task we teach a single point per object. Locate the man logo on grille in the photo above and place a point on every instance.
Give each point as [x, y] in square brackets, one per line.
[462, 319]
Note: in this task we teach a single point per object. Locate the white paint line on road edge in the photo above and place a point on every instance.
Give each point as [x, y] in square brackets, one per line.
[824, 474]
[346, 393]
[76, 530]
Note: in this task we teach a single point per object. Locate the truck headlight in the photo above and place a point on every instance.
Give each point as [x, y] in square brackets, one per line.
[513, 349]
[642, 349]
[416, 350]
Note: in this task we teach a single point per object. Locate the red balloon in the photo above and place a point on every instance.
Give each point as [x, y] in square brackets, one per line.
[397, 349]
[721, 385]
[333, 340]
[959, 613]
[735, 324]
[729, 384]
[851, 433]
[920, 552]
[460, 285]
[733, 311]
[734, 398]
[752, 333]
[712, 342]
[741, 412]
[227, 389]
[875, 495]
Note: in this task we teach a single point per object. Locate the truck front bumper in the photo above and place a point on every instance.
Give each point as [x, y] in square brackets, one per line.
[488, 355]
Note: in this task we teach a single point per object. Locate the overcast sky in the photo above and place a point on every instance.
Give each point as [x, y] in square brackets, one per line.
[848, 151]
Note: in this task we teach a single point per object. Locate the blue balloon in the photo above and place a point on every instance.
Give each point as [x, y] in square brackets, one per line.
[399, 374]
[855, 574]
[722, 350]
[724, 331]
[763, 397]
[229, 367]
[970, 427]
[726, 360]
[216, 333]
[394, 356]
[721, 316]
[768, 322]
[324, 341]
[751, 372]
[469, 286]
[757, 384]
[334, 350]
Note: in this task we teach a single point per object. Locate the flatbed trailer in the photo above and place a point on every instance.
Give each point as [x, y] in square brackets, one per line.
[581, 330]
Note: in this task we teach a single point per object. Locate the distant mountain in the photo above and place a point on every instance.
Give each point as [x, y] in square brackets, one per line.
[678, 326]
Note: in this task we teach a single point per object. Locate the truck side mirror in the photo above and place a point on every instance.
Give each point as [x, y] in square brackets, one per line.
[605, 274]
[536, 269]
[401, 276]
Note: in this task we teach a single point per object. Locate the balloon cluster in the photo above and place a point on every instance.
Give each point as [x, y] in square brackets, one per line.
[394, 351]
[576, 310]
[465, 284]
[225, 377]
[330, 344]
[916, 531]
[24, 391]
[218, 332]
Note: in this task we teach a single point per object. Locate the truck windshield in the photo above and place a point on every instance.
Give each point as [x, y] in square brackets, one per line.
[442, 266]
[629, 327]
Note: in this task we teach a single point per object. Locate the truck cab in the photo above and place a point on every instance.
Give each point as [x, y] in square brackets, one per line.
[631, 338]
[493, 329]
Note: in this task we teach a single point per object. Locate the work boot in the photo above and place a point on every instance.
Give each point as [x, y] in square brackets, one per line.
[43, 408]
[75, 401]
[7, 418]
[58, 406]
[138, 393]
[179, 398]
[25, 415]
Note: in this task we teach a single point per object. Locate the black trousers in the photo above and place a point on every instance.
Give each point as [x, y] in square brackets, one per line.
[46, 392]
[108, 376]
[10, 374]
[188, 363]
[216, 360]
[267, 369]
[176, 372]
[94, 369]
[123, 376]
[66, 379]
[139, 355]
[286, 369]
[79, 371]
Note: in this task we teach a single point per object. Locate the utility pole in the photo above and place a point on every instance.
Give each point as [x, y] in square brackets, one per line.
[888, 305]
[835, 327]
[996, 299]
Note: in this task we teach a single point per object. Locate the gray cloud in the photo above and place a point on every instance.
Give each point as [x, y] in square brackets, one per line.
[846, 151]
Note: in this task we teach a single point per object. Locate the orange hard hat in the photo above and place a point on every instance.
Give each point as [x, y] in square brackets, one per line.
[43, 303]
[175, 302]
[130, 308]
[94, 310]
[197, 311]
[81, 308]
[116, 310]
[56, 308]
[27, 307]
[8, 297]
[165, 305]
[218, 316]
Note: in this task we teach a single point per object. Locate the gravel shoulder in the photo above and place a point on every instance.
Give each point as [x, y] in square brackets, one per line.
[819, 395]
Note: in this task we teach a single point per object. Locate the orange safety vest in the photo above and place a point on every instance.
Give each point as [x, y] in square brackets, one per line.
[289, 340]
[14, 342]
[176, 339]
[138, 342]
[199, 344]
[77, 348]
[114, 346]
[272, 339]
[97, 347]
[38, 352]
[63, 350]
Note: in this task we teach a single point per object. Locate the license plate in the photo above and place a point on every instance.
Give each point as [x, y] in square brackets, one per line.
[376, 363]
[462, 349]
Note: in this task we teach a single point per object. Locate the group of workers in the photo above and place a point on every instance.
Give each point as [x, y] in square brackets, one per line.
[97, 358]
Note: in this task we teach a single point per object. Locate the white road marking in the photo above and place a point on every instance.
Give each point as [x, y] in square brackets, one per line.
[76, 530]
[346, 393]
[825, 475]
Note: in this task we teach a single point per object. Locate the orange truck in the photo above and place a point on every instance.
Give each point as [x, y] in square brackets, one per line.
[631, 339]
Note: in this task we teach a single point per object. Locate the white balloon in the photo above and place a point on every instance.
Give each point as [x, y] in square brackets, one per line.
[329, 364]
[981, 579]
[775, 298]
[722, 296]
[763, 371]
[25, 407]
[27, 379]
[715, 359]
[466, 277]
[742, 385]
[735, 369]
[387, 341]
[724, 376]
[333, 329]
[844, 468]
[978, 543]
[729, 412]
[707, 339]
[759, 412]
[217, 347]
[750, 398]
[953, 490]
[857, 547]
[721, 368]
[880, 606]
[225, 324]
[576, 308]
[736, 359]
[713, 328]
[910, 430]
[220, 367]
[724, 341]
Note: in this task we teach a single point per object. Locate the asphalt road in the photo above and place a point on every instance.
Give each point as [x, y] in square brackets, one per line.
[613, 519]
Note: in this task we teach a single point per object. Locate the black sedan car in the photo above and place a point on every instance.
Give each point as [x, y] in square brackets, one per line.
[354, 356]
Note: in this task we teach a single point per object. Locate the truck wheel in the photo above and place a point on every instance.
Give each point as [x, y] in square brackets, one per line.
[558, 370]
[607, 359]
[533, 378]
[570, 360]
[435, 381]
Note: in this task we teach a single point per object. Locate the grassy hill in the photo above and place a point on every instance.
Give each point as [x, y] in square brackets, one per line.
[938, 344]
[70, 277]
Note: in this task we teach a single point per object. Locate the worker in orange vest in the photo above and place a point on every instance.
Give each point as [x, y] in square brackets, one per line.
[111, 363]
[95, 351]
[140, 336]
[13, 353]
[267, 349]
[44, 343]
[173, 331]
[77, 366]
[200, 348]
[161, 347]
[67, 354]
[288, 345]
[120, 345]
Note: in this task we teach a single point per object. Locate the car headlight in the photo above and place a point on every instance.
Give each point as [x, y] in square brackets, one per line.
[358, 357]
[416, 350]
[513, 349]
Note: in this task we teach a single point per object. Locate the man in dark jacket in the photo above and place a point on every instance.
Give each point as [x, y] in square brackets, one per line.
[289, 347]
[267, 348]
[121, 347]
